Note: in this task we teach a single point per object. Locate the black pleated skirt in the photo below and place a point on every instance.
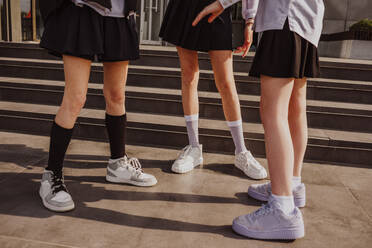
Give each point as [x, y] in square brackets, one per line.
[82, 32]
[285, 54]
[177, 29]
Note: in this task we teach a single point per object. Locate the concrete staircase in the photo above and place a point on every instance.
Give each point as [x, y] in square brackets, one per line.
[339, 105]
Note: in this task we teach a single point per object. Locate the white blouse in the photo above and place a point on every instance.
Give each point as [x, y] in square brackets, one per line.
[305, 17]
[117, 9]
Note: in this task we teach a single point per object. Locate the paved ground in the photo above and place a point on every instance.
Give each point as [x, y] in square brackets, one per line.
[193, 210]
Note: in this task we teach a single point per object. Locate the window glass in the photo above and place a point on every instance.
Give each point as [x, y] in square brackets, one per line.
[26, 20]
[3, 35]
[39, 22]
[32, 25]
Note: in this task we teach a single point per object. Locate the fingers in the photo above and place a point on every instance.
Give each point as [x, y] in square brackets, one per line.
[246, 50]
[239, 49]
[212, 18]
[200, 16]
[243, 49]
[215, 9]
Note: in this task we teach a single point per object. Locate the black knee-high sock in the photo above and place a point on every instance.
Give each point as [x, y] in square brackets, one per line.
[116, 127]
[59, 140]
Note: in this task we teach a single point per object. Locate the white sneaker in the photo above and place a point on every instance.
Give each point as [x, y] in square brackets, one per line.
[128, 170]
[54, 194]
[249, 165]
[189, 158]
[270, 222]
[262, 192]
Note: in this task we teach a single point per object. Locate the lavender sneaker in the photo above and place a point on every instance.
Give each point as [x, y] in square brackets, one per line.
[262, 192]
[269, 222]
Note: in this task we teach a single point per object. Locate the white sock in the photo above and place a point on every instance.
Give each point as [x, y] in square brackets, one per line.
[286, 203]
[192, 125]
[296, 181]
[236, 129]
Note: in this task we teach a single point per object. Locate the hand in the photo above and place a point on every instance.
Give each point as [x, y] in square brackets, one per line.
[215, 9]
[248, 39]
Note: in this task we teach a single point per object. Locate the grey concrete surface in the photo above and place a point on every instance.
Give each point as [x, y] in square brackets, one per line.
[341, 14]
[192, 210]
[348, 49]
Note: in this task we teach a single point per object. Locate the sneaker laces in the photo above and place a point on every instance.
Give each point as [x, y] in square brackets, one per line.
[264, 210]
[135, 164]
[252, 160]
[58, 183]
[184, 152]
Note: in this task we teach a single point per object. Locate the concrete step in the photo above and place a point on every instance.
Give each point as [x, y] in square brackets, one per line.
[151, 55]
[169, 78]
[325, 115]
[169, 131]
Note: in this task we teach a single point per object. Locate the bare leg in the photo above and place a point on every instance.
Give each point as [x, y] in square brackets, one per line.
[298, 123]
[77, 72]
[190, 77]
[222, 64]
[115, 78]
[275, 96]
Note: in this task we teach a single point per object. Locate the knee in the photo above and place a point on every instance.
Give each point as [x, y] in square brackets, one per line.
[74, 103]
[114, 97]
[271, 115]
[190, 75]
[264, 114]
[227, 89]
[297, 107]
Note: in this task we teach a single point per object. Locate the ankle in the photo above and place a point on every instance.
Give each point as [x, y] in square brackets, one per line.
[286, 203]
[296, 181]
[241, 151]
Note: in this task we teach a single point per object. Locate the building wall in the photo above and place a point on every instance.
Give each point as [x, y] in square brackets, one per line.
[341, 14]
[15, 15]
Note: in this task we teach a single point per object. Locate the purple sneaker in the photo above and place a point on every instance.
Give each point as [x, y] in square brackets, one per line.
[262, 192]
[269, 222]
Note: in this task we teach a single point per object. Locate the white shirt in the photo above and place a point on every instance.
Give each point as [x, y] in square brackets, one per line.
[305, 17]
[117, 9]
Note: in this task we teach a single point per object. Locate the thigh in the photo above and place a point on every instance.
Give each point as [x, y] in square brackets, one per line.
[115, 76]
[299, 88]
[77, 72]
[297, 104]
[276, 94]
[188, 60]
[222, 64]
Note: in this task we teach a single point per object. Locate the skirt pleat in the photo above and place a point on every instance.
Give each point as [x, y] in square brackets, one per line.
[177, 29]
[285, 54]
[82, 32]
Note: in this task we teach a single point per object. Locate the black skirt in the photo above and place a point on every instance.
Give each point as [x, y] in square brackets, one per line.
[285, 54]
[177, 28]
[82, 32]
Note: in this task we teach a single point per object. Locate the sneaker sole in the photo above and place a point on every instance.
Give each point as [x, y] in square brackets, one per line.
[286, 234]
[135, 183]
[200, 162]
[299, 202]
[259, 177]
[56, 209]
